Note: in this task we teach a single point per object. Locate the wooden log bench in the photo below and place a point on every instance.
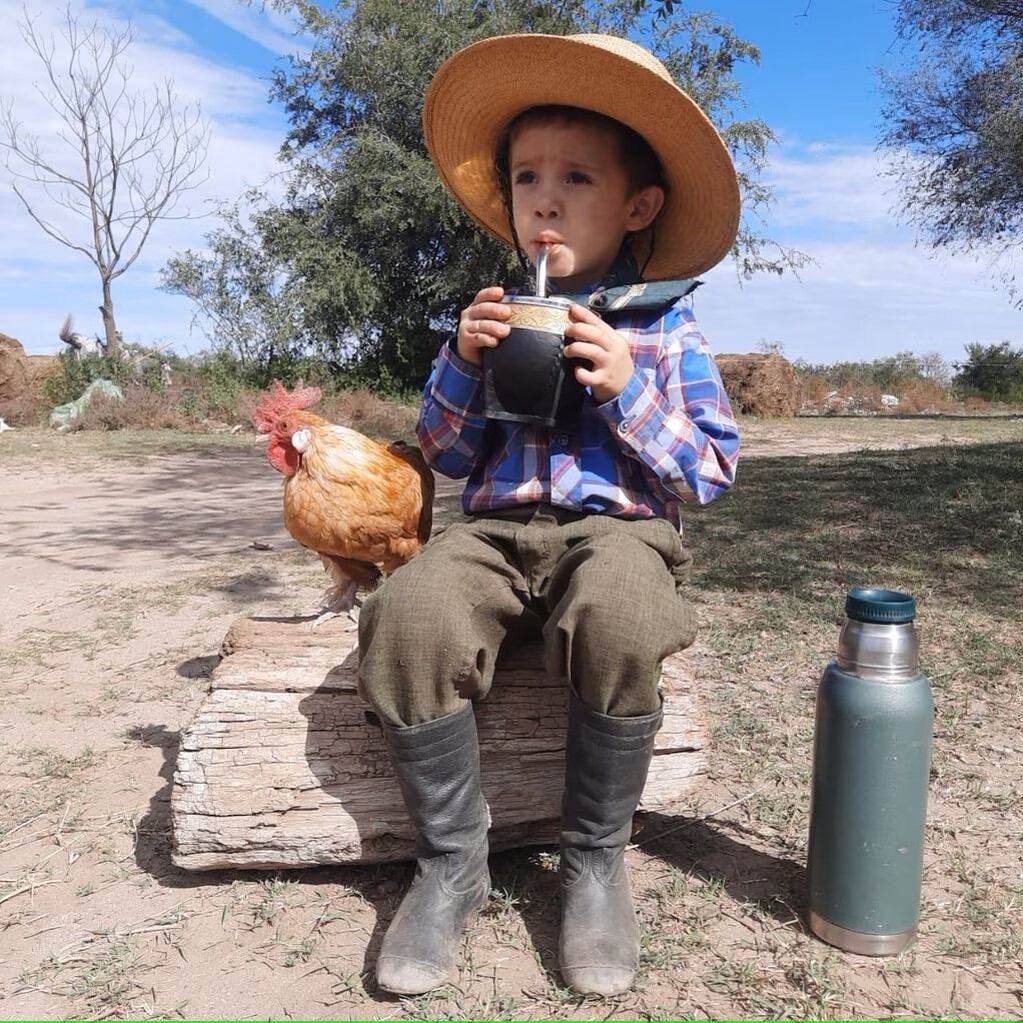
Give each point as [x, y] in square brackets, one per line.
[283, 767]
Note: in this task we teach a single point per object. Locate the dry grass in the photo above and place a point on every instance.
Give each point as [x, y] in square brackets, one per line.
[140, 409]
[359, 409]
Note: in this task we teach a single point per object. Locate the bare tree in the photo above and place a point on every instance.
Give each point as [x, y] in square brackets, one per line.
[126, 158]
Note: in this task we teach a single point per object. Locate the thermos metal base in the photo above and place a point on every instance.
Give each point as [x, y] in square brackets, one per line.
[860, 942]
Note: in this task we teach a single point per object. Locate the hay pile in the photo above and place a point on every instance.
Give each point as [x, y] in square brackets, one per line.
[22, 398]
[42, 366]
[14, 374]
[761, 385]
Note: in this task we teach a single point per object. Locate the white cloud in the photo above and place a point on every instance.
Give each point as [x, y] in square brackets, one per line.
[872, 290]
[835, 185]
[276, 30]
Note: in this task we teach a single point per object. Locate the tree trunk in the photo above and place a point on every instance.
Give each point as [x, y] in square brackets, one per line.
[282, 767]
[113, 342]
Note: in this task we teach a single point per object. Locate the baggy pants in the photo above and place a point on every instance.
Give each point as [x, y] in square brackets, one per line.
[604, 592]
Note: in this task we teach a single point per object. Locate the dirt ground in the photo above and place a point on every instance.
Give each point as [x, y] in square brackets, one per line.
[121, 567]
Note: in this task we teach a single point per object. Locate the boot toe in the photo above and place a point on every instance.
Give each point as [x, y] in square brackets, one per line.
[598, 980]
[408, 976]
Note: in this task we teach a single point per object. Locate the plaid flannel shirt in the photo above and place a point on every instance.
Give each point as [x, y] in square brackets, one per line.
[669, 437]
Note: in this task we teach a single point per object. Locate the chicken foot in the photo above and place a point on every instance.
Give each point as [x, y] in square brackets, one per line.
[347, 576]
[339, 600]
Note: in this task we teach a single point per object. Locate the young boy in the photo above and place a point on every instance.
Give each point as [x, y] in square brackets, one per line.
[583, 144]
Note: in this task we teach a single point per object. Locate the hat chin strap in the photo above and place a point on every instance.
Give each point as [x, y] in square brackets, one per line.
[527, 269]
[628, 246]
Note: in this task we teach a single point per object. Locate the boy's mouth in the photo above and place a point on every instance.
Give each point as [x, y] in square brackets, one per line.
[547, 238]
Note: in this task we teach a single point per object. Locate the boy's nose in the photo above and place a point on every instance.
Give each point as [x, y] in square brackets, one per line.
[547, 207]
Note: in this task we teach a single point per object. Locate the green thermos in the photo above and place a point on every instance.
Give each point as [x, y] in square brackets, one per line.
[871, 763]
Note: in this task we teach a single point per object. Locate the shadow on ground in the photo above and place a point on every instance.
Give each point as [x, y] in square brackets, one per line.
[947, 518]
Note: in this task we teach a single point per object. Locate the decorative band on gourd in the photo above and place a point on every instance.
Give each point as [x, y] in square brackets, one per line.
[548, 317]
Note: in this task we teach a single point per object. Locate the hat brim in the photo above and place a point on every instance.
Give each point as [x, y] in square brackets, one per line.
[482, 87]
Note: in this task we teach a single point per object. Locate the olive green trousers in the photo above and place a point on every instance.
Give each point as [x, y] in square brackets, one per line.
[603, 591]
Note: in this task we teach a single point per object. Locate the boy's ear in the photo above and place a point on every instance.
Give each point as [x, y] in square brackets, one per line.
[644, 206]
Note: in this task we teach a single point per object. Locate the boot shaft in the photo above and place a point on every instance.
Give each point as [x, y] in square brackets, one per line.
[606, 765]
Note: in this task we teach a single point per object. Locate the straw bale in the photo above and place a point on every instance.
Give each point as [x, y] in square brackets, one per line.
[13, 368]
[760, 384]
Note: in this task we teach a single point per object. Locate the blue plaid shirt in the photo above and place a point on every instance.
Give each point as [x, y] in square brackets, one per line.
[668, 438]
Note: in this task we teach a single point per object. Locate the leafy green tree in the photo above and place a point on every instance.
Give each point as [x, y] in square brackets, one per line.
[243, 302]
[992, 371]
[955, 121]
[376, 254]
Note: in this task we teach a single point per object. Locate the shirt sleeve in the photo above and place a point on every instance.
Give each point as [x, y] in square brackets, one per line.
[678, 421]
[451, 423]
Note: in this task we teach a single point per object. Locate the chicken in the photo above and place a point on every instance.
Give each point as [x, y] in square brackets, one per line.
[364, 507]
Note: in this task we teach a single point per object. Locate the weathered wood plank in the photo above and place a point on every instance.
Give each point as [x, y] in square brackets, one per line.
[282, 766]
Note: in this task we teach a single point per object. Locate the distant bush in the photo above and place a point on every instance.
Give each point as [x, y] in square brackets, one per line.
[885, 375]
[141, 408]
[211, 390]
[994, 372]
[920, 382]
[371, 414]
[926, 395]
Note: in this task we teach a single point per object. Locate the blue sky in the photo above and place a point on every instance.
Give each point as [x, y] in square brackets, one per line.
[872, 290]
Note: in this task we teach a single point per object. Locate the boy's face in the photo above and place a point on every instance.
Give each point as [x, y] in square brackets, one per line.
[570, 190]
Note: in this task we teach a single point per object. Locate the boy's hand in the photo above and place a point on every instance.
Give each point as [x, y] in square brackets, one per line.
[482, 325]
[589, 337]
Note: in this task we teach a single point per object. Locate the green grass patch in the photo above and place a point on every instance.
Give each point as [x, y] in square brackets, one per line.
[941, 522]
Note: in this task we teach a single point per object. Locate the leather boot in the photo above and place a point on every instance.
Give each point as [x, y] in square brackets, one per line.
[606, 767]
[438, 768]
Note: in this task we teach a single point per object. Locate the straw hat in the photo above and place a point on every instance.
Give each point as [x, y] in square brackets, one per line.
[479, 89]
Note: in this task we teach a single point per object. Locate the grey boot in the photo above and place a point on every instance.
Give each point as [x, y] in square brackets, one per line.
[438, 768]
[606, 766]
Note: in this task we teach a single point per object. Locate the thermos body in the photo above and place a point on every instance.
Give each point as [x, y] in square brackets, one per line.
[874, 719]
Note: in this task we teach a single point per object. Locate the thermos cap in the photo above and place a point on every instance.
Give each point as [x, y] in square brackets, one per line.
[885, 607]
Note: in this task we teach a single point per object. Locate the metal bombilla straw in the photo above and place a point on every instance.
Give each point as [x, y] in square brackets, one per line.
[541, 271]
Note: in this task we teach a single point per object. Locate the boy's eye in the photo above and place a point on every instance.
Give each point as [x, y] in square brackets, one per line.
[578, 178]
[525, 178]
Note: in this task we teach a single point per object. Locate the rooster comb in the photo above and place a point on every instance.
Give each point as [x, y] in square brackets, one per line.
[279, 401]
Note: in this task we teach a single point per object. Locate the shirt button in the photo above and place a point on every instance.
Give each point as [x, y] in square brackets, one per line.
[561, 440]
[623, 426]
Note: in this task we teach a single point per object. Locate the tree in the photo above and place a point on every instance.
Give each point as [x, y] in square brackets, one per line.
[955, 121]
[242, 297]
[934, 366]
[992, 371]
[382, 257]
[126, 158]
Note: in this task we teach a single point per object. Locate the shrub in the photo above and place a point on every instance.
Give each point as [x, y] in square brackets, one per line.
[925, 395]
[368, 413]
[30, 408]
[141, 408]
[994, 372]
[919, 382]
